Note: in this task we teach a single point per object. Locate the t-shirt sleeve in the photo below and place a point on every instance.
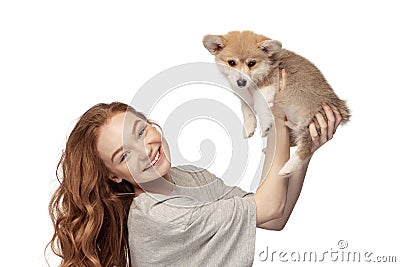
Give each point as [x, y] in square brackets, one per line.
[218, 233]
[220, 186]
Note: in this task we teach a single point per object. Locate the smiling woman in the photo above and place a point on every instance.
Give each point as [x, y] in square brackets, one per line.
[119, 199]
[133, 150]
[99, 172]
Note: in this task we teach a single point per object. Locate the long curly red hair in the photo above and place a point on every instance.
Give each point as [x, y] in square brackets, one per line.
[88, 210]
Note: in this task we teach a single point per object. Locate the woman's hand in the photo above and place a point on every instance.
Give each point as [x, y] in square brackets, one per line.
[328, 128]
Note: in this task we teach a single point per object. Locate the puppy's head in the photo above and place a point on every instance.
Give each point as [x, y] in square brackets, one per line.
[244, 55]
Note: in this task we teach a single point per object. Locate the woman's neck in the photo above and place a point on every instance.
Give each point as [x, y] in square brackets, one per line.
[163, 185]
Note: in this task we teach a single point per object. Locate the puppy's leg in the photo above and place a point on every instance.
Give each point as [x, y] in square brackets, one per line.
[291, 165]
[304, 144]
[263, 111]
[249, 119]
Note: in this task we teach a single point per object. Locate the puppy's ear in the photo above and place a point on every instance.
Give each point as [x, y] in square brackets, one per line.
[270, 46]
[214, 43]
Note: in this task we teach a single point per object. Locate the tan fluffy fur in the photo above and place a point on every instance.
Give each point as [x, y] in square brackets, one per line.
[306, 88]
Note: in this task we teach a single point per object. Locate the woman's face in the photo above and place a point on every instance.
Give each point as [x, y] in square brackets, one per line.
[133, 149]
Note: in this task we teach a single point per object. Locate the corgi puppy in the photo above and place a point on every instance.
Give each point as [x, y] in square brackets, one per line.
[251, 63]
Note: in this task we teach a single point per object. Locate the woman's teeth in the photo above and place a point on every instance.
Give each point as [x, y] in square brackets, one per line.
[154, 160]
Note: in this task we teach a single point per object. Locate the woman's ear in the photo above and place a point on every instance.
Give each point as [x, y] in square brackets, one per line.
[115, 178]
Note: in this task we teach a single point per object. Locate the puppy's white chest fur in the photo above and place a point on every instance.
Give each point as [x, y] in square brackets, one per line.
[256, 101]
[269, 92]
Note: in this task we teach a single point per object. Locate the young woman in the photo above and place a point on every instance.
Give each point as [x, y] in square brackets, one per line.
[121, 204]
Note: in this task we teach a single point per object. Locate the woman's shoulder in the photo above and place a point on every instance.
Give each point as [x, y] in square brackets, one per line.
[190, 175]
[186, 168]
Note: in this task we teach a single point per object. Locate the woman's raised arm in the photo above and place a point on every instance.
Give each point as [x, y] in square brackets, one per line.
[295, 182]
[276, 196]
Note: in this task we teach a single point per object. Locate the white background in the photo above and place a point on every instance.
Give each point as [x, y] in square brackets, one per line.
[58, 58]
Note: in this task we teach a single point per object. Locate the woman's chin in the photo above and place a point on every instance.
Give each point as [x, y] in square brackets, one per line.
[154, 173]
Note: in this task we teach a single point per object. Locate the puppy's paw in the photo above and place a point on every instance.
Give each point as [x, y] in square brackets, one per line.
[286, 171]
[248, 134]
[291, 166]
[249, 128]
[265, 129]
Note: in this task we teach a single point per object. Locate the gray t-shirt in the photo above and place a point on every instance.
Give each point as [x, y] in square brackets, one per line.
[202, 222]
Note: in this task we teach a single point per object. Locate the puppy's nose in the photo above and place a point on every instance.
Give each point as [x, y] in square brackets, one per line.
[241, 82]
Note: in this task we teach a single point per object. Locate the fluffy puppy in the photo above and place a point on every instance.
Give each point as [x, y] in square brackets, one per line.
[251, 63]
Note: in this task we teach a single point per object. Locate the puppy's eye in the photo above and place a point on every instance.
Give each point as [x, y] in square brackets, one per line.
[232, 63]
[251, 64]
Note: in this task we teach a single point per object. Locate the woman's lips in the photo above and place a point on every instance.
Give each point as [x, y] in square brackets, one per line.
[155, 160]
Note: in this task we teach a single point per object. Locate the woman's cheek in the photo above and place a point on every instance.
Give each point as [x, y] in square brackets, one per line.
[166, 151]
[132, 168]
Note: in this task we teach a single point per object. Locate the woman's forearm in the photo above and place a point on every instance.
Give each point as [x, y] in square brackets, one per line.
[293, 192]
[270, 196]
[295, 185]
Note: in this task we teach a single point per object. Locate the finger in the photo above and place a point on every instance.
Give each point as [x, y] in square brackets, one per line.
[314, 134]
[324, 127]
[331, 120]
[284, 76]
[278, 81]
[338, 117]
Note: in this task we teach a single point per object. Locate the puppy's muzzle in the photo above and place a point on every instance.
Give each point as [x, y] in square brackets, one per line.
[241, 82]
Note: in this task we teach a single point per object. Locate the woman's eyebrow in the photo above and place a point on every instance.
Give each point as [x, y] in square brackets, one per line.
[135, 124]
[115, 153]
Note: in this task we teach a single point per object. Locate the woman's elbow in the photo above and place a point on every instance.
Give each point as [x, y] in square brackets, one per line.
[277, 227]
[265, 216]
[272, 226]
[277, 213]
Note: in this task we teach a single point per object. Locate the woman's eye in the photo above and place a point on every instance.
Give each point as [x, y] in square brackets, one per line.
[124, 155]
[251, 64]
[231, 63]
[141, 132]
